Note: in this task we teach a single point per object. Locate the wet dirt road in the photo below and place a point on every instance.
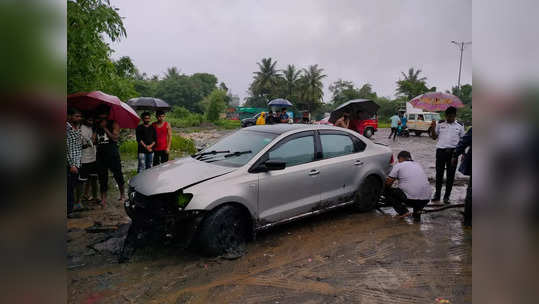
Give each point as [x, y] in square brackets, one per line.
[338, 257]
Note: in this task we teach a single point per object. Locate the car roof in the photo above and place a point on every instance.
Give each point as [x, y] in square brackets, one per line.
[284, 127]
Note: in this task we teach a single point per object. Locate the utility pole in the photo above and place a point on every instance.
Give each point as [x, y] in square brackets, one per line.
[461, 47]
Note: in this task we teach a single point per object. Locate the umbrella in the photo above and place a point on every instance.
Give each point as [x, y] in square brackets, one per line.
[353, 106]
[280, 102]
[120, 112]
[148, 103]
[436, 101]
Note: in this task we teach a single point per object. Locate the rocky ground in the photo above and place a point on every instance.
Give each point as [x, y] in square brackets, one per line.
[338, 257]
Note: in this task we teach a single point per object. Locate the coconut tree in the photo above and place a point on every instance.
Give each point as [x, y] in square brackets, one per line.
[312, 86]
[291, 77]
[266, 78]
[412, 85]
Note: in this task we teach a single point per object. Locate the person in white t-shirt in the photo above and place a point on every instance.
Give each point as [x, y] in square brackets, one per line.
[88, 170]
[413, 190]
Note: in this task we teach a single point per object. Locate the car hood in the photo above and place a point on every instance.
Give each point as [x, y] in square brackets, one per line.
[174, 175]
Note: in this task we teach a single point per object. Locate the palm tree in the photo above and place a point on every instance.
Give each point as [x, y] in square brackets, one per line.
[312, 80]
[412, 85]
[266, 78]
[291, 76]
[172, 72]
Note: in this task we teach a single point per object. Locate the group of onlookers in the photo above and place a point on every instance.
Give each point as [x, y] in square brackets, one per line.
[92, 151]
[273, 117]
[413, 186]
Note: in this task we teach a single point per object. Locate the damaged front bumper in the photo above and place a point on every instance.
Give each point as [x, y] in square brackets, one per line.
[161, 217]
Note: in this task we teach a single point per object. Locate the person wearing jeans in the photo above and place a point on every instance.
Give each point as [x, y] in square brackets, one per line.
[146, 138]
[74, 154]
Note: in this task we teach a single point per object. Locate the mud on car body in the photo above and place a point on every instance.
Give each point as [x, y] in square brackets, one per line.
[254, 179]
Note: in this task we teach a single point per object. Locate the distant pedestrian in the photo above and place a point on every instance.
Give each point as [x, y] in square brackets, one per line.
[395, 120]
[146, 139]
[448, 133]
[73, 154]
[88, 170]
[466, 169]
[283, 117]
[108, 155]
[163, 131]
[269, 118]
[261, 120]
[414, 189]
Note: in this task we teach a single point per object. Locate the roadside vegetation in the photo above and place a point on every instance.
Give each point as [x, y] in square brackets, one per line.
[200, 99]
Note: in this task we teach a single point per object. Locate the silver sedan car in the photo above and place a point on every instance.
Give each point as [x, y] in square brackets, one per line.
[256, 178]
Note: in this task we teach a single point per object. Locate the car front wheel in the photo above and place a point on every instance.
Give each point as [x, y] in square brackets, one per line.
[224, 232]
[368, 194]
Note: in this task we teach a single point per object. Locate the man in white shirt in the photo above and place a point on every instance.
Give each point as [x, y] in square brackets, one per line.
[414, 189]
[448, 134]
[88, 170]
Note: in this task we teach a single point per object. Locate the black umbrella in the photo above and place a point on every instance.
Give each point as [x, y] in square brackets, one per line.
[148, 103]
[352, 107]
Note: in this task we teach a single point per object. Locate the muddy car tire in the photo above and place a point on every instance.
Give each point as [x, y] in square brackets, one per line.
[368, 194]
[223, 232]
[418, 133]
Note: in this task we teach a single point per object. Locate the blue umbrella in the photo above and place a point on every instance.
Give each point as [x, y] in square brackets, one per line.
[280, 102]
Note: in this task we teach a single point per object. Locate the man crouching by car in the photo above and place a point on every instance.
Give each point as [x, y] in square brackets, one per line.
[414, 189]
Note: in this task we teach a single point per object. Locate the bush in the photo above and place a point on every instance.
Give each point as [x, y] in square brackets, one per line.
[129, 148]
[214, 104]
[182, 144]
[180, 117]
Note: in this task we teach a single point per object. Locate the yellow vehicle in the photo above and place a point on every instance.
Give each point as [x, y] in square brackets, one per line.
[420, 122]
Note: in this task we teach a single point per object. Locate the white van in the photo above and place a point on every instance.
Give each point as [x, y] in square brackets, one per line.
[420, 122]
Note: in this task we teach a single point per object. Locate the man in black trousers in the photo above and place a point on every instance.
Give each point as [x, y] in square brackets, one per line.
[448, 133]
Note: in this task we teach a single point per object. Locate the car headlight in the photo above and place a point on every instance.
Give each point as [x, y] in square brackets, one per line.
[184, 199]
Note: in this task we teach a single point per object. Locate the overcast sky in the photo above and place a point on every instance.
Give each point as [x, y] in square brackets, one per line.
[361, 41]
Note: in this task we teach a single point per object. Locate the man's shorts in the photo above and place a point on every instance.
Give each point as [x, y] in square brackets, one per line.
[86, 170]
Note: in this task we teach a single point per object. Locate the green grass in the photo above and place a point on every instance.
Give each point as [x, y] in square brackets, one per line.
[179, 145]
[382, 125]
[228, 124]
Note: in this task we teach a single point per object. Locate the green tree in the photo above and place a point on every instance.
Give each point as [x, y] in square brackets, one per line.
[342, 91]
[464, 93]
[412, 84]
[172, 72]
[291, 77]
[125, 68]
[214, 104]
[89, 67]
[311, 88]
[266, 79]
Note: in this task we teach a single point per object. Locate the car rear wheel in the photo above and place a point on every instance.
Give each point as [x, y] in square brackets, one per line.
[368, 132]
[224, 232]
[368, 194]
[418, 133]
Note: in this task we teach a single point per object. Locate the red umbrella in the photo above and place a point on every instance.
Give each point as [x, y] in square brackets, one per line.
[120, 112]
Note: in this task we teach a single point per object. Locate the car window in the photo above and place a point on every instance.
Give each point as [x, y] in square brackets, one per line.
[411, 117]
[294, 152]
[436, 116]
[428, 117]
[334, 145]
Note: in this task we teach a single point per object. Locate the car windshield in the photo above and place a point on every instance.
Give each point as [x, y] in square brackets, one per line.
[236, 149]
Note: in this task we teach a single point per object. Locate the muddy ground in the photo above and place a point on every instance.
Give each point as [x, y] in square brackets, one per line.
[338, 257]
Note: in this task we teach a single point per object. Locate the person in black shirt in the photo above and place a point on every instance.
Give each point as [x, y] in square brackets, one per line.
[146, 138]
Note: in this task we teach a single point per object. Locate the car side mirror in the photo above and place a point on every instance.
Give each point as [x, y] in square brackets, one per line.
[272, 165]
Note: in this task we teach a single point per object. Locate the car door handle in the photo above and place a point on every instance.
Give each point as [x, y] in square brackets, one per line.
[314, 172]
[358, 163]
